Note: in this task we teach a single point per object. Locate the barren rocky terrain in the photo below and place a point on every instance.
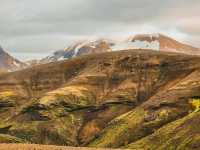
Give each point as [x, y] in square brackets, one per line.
[138, 99]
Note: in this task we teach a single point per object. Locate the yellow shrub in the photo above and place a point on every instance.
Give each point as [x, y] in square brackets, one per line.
[6, 94]
[195, 102]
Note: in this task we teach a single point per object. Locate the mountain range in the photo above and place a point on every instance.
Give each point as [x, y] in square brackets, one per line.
[158, 42]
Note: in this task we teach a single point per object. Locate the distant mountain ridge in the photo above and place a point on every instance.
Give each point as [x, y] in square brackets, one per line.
[9, 63]
[80, 48]
[169, 44]
[158, 42]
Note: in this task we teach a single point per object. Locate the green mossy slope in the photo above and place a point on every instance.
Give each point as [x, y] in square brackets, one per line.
[181, 134]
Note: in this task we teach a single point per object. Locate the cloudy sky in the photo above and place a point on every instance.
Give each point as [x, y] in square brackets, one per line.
[34, 28]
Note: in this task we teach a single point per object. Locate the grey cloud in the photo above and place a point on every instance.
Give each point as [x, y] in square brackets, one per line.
[45, 25]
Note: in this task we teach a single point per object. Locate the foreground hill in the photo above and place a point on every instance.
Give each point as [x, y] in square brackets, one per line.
[139, 99]
[9, 63]
[158, 42]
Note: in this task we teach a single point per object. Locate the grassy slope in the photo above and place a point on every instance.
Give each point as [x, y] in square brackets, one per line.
[164, 107]
[4, 138]
[181, 134]
[106, 100]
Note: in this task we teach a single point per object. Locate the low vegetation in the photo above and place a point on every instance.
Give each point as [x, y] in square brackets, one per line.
[132, 99]
[195, 102]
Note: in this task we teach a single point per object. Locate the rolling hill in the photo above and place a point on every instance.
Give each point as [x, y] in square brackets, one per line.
[138, 99]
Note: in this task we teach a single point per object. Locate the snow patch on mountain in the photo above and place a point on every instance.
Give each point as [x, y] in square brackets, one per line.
[78, 47]
[156, 35]
[144, 37]
[16, 64]
[137, 44]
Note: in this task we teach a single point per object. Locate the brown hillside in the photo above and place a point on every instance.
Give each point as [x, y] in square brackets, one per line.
[114, 99]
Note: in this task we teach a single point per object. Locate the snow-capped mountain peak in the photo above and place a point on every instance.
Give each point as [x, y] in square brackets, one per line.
[144, 37]
[158, 42]
[140, 41]
[80, 48]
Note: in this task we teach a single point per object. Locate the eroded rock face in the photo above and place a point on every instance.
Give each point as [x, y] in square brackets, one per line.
[105, 100]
